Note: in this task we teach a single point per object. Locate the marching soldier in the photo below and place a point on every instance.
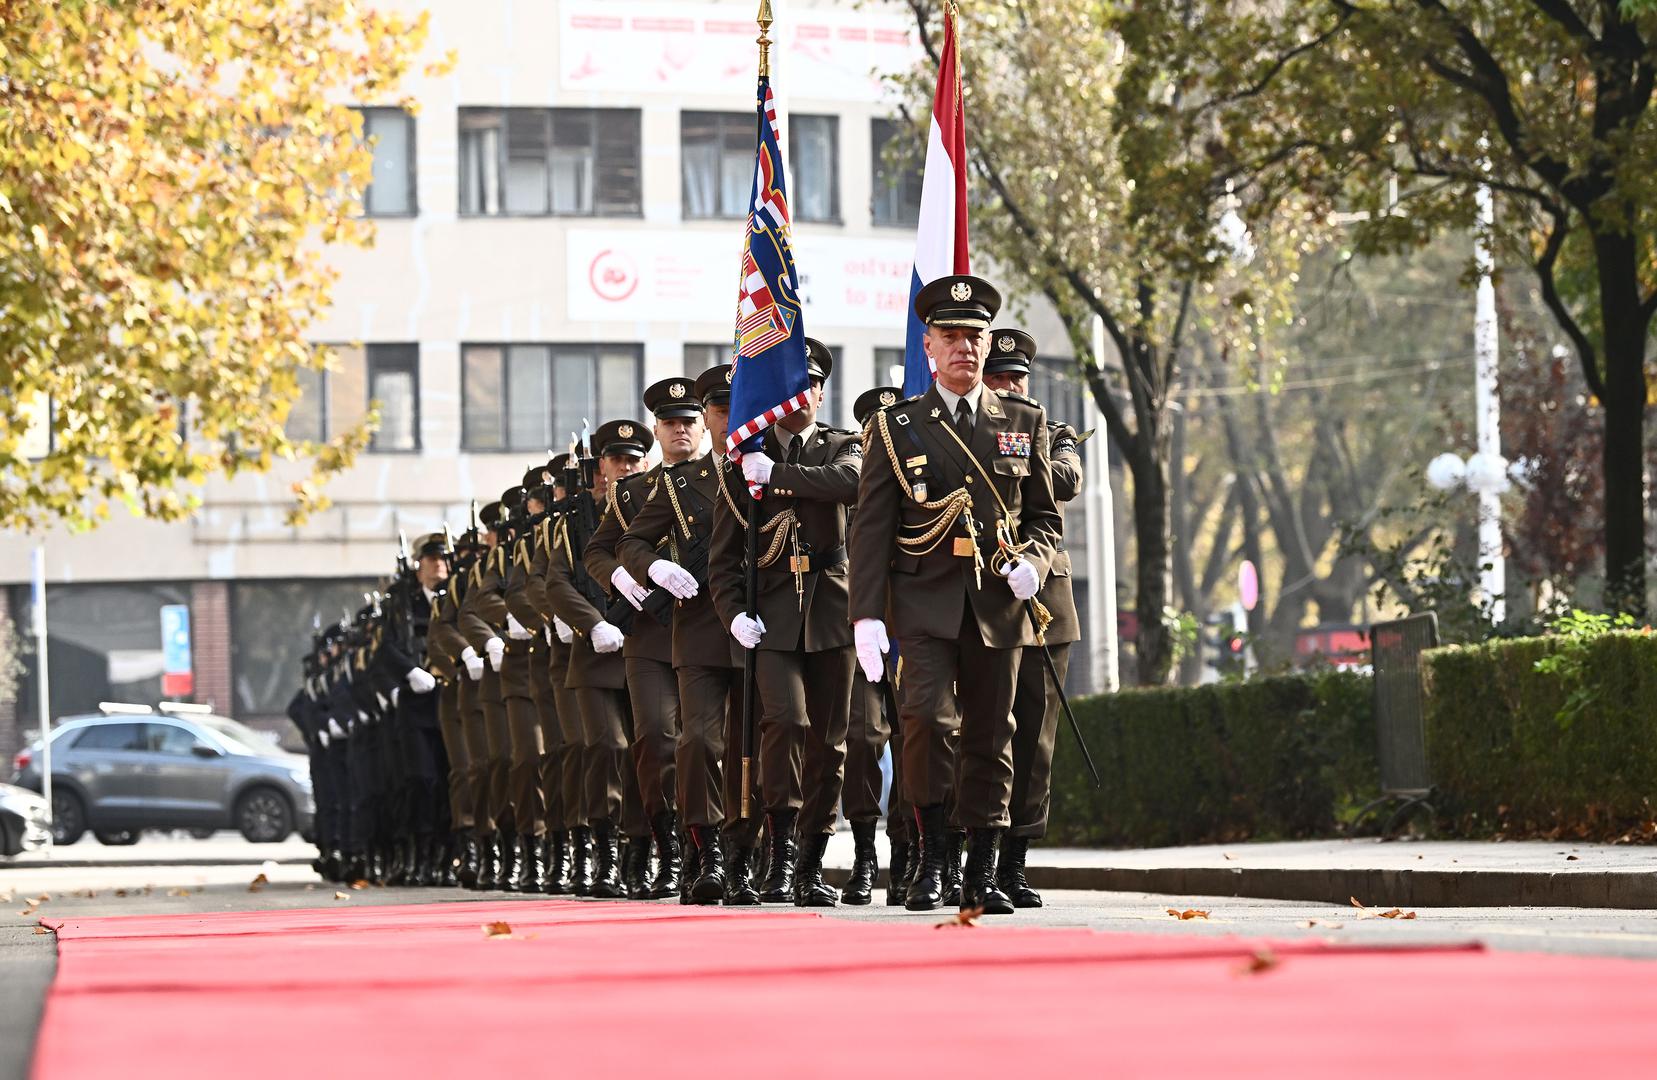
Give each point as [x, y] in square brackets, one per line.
[1035, 705]
[801, 633]
[869, 731]
[561, 769]
[651, 684]
[481, 610]
[597, 670]
[458, 668]
[525, 652]
[526, 595]
[956, 526]
[705, 662]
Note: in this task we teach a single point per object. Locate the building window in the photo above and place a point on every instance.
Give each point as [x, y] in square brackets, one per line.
[889, 367]
[716, 152]
[533, 397]
[814, 156]
[391, 187]
[699, 358]
[549, 161]
[333, 401]
[270, 633]
[896, 188]
[1054, 383]
[837, 405]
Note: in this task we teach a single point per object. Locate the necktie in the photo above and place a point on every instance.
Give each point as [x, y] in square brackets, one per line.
[794, 445]
[963, 420]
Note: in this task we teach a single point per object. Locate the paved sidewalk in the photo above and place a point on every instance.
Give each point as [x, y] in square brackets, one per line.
[1461, 873]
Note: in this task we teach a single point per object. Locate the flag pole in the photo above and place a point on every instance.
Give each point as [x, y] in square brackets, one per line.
[750, 674]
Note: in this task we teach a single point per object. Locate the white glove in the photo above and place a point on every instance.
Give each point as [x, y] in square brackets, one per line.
[1023, 580]
[605, 638]
[872, 644]
[322, 737]
[420, 680]
[515, 629]
[395, 691]
[496, 648]
[747, 631]
[628, 589]
[334, 729]
[756, 468]
[473, 662]
[674, 578]
[562, 628]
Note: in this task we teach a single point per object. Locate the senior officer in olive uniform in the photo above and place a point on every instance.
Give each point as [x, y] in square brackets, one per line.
[651, 683]
[956, 526]
[598, 672]
[705, 660]
[1035, 705]
[801, 631]
[868, 733]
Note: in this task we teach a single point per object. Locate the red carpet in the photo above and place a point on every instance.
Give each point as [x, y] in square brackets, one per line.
[616, 989]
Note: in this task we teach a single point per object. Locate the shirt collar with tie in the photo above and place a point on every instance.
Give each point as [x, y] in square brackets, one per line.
[794, 445]
[952, 399]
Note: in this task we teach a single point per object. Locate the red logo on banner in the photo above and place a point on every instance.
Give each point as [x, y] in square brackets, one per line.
[177, 684]
[613, 276]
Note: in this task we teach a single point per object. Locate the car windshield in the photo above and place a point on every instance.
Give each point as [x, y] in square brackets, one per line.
[238, 737]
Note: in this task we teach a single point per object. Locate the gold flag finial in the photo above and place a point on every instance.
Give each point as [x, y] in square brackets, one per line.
[764, 19]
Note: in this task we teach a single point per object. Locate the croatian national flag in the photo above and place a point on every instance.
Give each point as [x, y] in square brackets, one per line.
[770, 380]
[941, 236]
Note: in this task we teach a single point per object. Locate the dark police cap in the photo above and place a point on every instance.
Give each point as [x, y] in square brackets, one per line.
[1010, 350]
[819, 361]
[673, 398]
[958, 300]
[627, 437]
[490, 514]
[713, 386]
[428, 545]
[878, 398]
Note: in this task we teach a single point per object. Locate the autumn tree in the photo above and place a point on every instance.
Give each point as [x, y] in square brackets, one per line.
[1546, 102]
[169, 174]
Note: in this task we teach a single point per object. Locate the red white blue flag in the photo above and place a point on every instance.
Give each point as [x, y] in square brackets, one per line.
[941, 235]
[770, 380]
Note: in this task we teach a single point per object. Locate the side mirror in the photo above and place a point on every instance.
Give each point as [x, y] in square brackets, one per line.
[202, 750]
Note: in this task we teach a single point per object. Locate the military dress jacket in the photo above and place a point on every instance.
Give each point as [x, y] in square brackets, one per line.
[588, 669]
[802, 518]
[1057, 593]
[684, 519]
[648, 639]
[916, 562]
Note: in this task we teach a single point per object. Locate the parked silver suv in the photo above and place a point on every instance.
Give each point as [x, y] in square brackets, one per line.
[130, 768]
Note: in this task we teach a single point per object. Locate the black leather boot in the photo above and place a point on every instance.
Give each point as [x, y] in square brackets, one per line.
[926, 892]
[489, 871]
[635, 868]
[1009, 873]
[901, 872]
[529, 864]
[606, 861]
[664, 829]
[581, 868]
[739, 879]
[512, 865]
[978, 891]
[558, 864]
[860, 887]
[707, 876]
[955, 840]
[449, 852]
[376, 865]
[810, 890]
[779, 875]
[471, 862]
[543, 864]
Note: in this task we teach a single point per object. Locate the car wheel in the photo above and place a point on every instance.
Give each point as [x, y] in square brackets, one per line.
[116, 837]
[264, 817]
[68, 817]
[203, 834]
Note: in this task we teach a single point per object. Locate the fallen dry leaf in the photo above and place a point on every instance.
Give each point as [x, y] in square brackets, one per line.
[1260, 960]
[258, 883]
[41, 899]
[1310, 923]
[360, 883]
[497, 930]
[968, 917]
[342, 896]
[27, 913]
[120, 892]
[1396, 913]
[178, 892]
[1188, 913]
[42, 930]
[6, 897]
[1570, 858]
[1355, 903]
[1227, 855]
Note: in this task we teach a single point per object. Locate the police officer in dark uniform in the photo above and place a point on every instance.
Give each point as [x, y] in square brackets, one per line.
[807, 473]
[1036, 706]
[956, 527]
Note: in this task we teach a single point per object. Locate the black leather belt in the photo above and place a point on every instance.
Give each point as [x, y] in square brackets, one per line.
[811, 562]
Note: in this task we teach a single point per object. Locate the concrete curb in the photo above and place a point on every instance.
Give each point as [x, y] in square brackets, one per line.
[109, 864]
[1373, 888]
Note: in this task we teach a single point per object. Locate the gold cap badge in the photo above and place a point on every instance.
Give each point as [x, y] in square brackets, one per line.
[728, 373]
[888, 398]
[1004, 343]
[960, 292]
[676, 390]
[625, 431]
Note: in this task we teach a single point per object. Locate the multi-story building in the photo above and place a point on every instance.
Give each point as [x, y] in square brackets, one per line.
[558, 226]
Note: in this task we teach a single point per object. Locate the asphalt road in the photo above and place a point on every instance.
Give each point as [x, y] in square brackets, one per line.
[140, 880]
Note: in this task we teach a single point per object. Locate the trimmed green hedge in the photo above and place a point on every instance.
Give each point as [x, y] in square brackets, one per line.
[1570, 750]
[1269, 759]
